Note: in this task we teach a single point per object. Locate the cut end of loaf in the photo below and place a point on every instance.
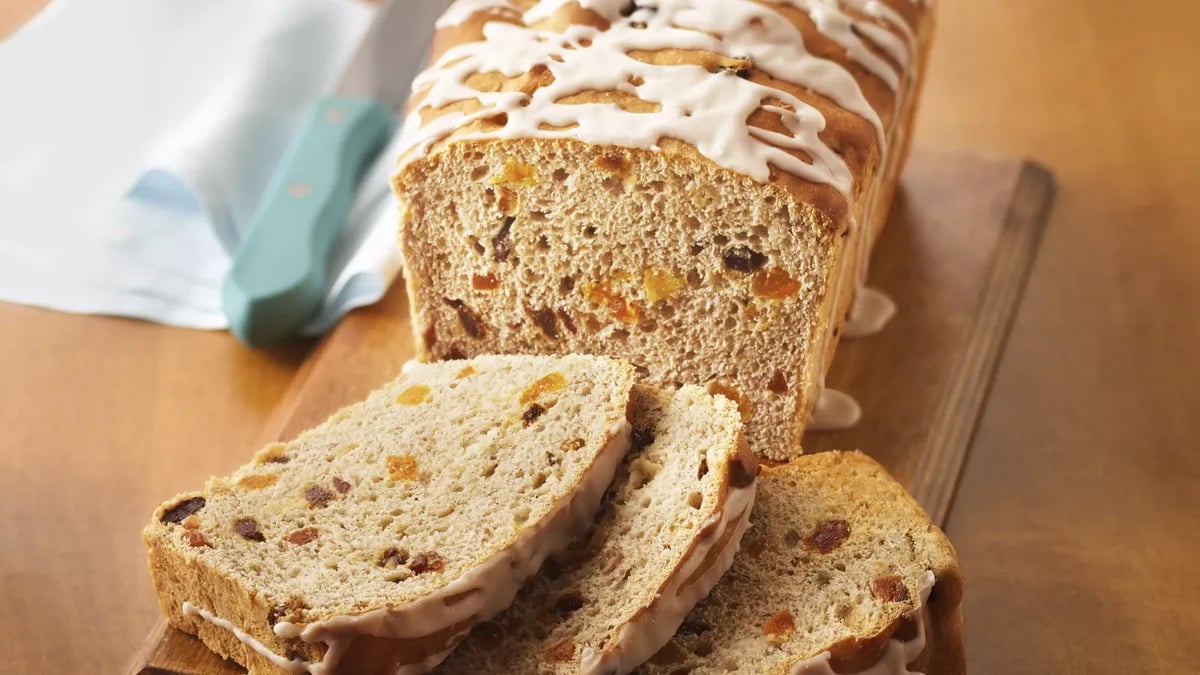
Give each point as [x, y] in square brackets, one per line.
[694, 273]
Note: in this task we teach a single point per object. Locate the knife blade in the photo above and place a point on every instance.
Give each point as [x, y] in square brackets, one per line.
[278, 277]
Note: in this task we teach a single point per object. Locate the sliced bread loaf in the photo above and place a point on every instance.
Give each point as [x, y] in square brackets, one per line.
[842, 572]
[670, 526]
[693, 185]
[373, 542]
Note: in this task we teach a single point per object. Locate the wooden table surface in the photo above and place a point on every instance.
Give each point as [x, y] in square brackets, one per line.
[1078, 519]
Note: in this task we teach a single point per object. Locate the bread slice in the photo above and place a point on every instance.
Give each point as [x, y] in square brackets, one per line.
[842, 572]
[372, 543]
[646, 180]
[671, 524]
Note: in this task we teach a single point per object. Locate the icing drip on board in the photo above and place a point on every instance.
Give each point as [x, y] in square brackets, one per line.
[834, 411]
[871, 311]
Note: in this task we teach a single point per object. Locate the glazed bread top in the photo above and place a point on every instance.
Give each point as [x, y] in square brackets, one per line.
[800, 93]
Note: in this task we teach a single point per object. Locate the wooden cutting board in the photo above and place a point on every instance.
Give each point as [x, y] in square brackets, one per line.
[962, 238]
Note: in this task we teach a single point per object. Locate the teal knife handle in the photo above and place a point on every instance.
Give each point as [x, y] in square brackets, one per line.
[277, 281]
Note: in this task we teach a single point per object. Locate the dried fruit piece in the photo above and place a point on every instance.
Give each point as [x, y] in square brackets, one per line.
[546, 321]
[778, 383]
[195, 539]
[340, 485]
[465, 372]
[566, 320]
[427, 562]
[402, 467]
[302, 536]
[183, 509]
[258, 481]
[780, 625]
[743, 472]
[485, 282]
[743, 259]
[560, 652]
[774, 284]
[248, 529]
[318, 497]
[621, 309]
[535, 411]
[393, 557]
[573, 444]
[613, 163]
[890, 588]
[471, 324]
[568, 603]
[661, 284]
[828, 536]
[549, 384]
[414, 395]
[501, 245]
[507, 201]
[514, 172]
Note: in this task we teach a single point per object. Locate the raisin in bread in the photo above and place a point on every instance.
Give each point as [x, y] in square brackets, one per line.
[842, 572]
[372, 543]
[693, 185]
[671, 524]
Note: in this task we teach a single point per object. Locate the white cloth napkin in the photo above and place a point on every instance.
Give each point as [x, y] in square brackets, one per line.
[137, 136]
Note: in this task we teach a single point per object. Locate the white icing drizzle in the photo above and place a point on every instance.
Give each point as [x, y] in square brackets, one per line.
[896, 656]
[831, 21]
[834, 411]
[462, 10]
[871, 311]
[290, 665]
[475, 596]
[643, 637]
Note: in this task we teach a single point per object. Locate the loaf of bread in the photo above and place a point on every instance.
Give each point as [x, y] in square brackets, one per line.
[670, 526]
[842, 572]
[372, 543]
[692, 185]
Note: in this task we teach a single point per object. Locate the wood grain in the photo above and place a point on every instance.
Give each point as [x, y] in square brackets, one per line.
[955, 256]
[1075, 519]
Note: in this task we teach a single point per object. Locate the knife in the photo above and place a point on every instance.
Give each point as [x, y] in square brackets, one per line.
[278, 278]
